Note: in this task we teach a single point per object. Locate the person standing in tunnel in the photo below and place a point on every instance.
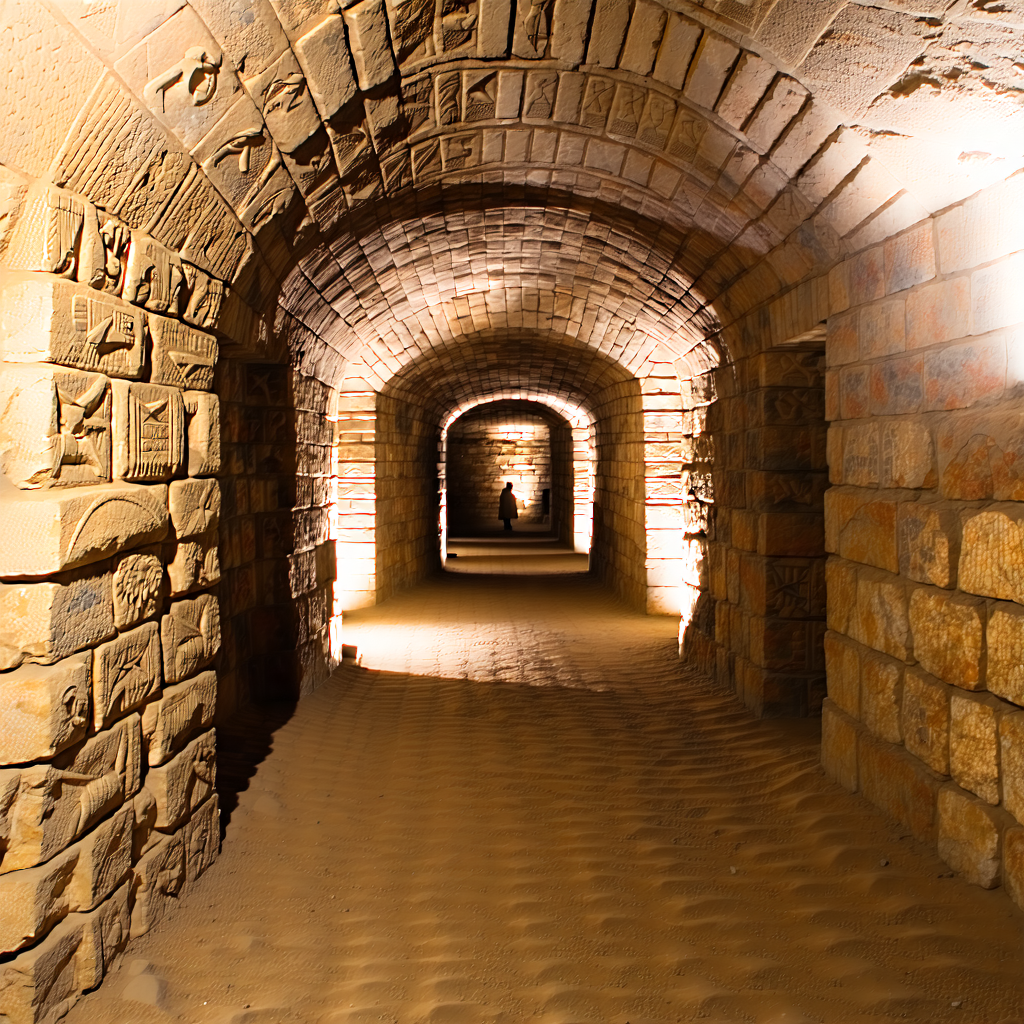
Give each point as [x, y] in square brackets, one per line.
[507, 510]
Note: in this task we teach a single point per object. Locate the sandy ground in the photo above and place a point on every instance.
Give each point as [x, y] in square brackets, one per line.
[519, 808]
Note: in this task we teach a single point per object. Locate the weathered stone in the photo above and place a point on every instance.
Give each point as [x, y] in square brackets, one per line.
[948, 634]
[154, 276]
[194, 506]
[76, 879]
[182, 356]
[907, 455]
[125, 674]
[1013, 864]
[149, 431]
[371, 50]
[138, 585]
[992, 553]
[900, 785]
[47, 806]
[839, 739]
[50, 531]
[879, 617]
[156, 881]
[203, 433]
[924, 719]
[1005, 647]
[184, 782]
[881, 694]
[974, 745]
[969, 834]
[44, 622]
[202, 838]
[842, 668]
[928, 537]
[861, 525]
[195, 563]
[47, 319]
[43, 709]
[181, 711]
[1011, 760]
[190, 636]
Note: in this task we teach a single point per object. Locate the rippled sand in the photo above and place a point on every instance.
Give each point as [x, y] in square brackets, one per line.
[519, 808]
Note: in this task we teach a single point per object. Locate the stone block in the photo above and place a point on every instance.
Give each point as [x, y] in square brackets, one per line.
[992, 553]
[43, 709]
[842, 669]
[149, 431]
[190, 636]
[841, 586]
[138, 587]
[948, 631]
[786, 645]
[184, 782]
[182, 356]
[939, 312]
[969, 836]
[900, 785]
[861, 451]
[881, 695]
[49, 531]
[928, 539]
[974, 744]
[41, 984]
[154, 276]
[860, 525]
[195, 563]
[194, 506]
[47, 807]
[50, 320]
[839, 740]
[54, 426]
[980, 455]
[324, 58]
[1013, 864]
[202, 838]
[203, 411]
[76, 879]
[182, 710]
[879, 617]
[910, 258]
[924, 719]
[45, 622]
[125, 674]
[368, 40]
[790, 533]
[1004, 633]
[157, 879]
[907, 455]
[1011, 761]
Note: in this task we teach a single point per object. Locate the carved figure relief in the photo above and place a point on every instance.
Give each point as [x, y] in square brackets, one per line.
[138, 587]
[458, 21]
[125, 673]
[206, 295]
[480, 96]
[107, 330]
[533, 28]
[54, 426]
[448, 86]
[182, 356]
[460, 152]
[154, 276]
[196, 72]
[597, 102]
[686, 136]
[182, 709]
[48, 233]
[412, 29]
[149, 431]
[417, 103]
[184, 782]
[539, 101]
[108, 262]
[627, 109]
[190, 636]
[196, 564]
[656, 122]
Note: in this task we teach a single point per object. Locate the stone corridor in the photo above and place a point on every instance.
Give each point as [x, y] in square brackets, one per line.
[550, 819]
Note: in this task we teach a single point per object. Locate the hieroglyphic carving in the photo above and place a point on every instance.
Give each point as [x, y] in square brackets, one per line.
[182, 356]
[202, 838]
[426, 159]
[789, 589]
[125, 673]
[412, 29]
[539, 98]
[104, 252]
[656, 122]
[78, 788]
[597, 102]
[532, 28]
[480, 95]
[49, 231]
[184, 782]
[448, 87]
[206, 295]
[54, 426]
[203, 411]
[190, 636]
[43, 709]
[283, 98]
[149, 431]
[196, 72]
[312, 167]
[182, 710]
[195, 564]
[687, 133]
[458, 21]
[627, 109]
[194, 506]
[460, 152]
[46, 319]
[157, 879]
[138, 587]
[417, 103]
[154, 276]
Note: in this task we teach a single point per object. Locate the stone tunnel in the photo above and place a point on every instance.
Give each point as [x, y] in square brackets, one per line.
[731, 288]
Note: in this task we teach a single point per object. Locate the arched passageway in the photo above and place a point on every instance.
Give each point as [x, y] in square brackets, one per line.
[258, 256]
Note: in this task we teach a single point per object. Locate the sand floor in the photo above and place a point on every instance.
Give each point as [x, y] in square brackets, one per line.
[519, 808]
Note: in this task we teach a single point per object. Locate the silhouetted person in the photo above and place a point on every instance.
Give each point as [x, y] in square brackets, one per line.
[507, 510]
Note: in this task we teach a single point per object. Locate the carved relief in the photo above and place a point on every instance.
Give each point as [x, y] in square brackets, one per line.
[168, 723]
[789, 590]
[154, 276]
[182, 356]
[426, 159]
[196, 73]
[656, 122]
[195, 506]
[417, 103]
[458, 21]
[195, 564]
[125, 673]
[532, 29]
[138, 587]
[48, 233]
[44, 319]
[190, 636]
[206, 295]
[54, 426]
[282, 96]
[48, 806]
[184, 782]
[203, 411]
[149, 431]
[448, 87]
[43, 709]
[397, 171]
[412, 29]
[686, 136]
[539, 99]
[480, 95]
[312, 167]
[156, 879]
[627, 109]
[104, 252]
[597, 102]
[460, 152]
[202, 838]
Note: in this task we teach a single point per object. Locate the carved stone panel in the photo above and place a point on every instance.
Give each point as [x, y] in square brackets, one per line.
[43, 709]
[154, 276]
[184, 782]
[48, 234]
[202, 838]
[182, 710]
[46, 319]
[149, 431]
[157, 879]
[412, 30]
[54, 426]
[532, 28]
[203, 433]
[182, 356]
[195, 563]
[206, 295]
[58, 529]
[138, 583]
[46, 807]
[194, 506]
[125, 673]
[283, 98]
[190, 636]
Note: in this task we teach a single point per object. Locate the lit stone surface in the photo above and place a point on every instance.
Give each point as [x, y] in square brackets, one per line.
[974, 745]
[181, 710]
[1005, 635]
[968, 837]
[992, 558]
[138, 585]
[125, 673]
[948, 634]
[184, 782]
[924, 719]
[189, 635]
